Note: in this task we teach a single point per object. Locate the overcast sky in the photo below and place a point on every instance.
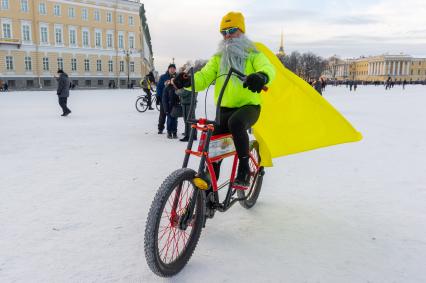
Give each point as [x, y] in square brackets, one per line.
[189, 29]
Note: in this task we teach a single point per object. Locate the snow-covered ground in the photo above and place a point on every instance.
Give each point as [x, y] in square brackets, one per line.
[75, 193]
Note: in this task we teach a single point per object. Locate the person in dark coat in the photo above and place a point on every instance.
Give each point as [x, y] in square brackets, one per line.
[63, 91]
[317, 86]
[171, 72]
[169, 100]
[185, 101]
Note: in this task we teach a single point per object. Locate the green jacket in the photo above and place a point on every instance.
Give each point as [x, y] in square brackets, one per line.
[235, 95]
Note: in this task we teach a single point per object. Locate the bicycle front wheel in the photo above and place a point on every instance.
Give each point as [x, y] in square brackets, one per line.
[171, 234]
[141, 104]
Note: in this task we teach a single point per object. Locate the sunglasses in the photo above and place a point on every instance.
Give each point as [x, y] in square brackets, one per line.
[228, 31]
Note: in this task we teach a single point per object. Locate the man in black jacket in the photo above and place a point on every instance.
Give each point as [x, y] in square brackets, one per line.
[63, 91]
[171, 72]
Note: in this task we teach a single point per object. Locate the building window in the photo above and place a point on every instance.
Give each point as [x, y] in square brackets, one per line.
[73, 64]
[97, 15]
[109, 40]
[131, 42]
[109, 17]
[86, 65]
[121, 66]
[24, 6]
[120, 41]
[7, 30]
[60, 63]
[85, 38]
[98, 39]
[99, 65]
[57, 10]
[131, 21]
[71, 12]
[84, 14]
[88, 83]
[110, 66]
[418, 72]
[132, 67]
[5, 4]
[58, 35]
[100, 82]
[44, 35]
[26, 33]
[73, 37]
[28, 63]
[120, 19]
[45, 64]
[9, 63]
[42, 8]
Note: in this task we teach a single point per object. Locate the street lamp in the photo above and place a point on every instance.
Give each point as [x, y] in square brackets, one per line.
[128, 52]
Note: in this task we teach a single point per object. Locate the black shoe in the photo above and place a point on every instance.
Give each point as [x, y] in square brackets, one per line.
[150, 108]
[160, 132]
[243, 173]
[184, 139]
[174, 135]
[169, 135]
[66, 113]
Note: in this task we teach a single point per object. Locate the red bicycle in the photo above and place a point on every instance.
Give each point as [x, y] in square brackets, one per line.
[187, 197]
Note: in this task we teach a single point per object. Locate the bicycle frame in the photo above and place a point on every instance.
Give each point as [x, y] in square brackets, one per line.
[207, 128]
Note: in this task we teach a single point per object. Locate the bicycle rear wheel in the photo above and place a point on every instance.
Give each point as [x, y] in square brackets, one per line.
[256, 178]
[169, 245]
[157, 105]
[141, 104]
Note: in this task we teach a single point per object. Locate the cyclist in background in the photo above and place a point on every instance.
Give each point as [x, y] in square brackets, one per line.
[146, 85]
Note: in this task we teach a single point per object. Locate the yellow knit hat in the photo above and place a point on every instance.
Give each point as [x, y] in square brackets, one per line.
[233, 20]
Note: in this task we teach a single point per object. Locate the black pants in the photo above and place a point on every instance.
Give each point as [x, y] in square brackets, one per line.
[148, 95]
[185, 110]
[161, 118]
[237, 121]
[63, 104]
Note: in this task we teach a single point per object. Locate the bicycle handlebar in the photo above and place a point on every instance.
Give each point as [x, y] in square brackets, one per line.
[216, 122]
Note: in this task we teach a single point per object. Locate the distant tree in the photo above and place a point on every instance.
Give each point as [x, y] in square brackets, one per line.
[307, 65]
[197, 65]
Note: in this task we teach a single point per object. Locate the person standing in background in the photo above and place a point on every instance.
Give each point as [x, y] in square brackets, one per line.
[63, 92]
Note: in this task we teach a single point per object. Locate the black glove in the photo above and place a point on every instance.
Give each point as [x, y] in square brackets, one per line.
[255, 82]
[182, 80]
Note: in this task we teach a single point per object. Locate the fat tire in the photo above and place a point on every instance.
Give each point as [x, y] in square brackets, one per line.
[154, 216]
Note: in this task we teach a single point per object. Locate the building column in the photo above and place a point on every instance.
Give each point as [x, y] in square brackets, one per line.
[398, 66]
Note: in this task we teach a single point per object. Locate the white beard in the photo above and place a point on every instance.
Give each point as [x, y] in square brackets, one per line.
[234, 52]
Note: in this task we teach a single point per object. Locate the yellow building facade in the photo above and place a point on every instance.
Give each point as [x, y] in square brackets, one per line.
[379, 68]
[97, 42]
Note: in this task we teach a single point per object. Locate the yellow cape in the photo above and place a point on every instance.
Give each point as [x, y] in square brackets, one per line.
[295, 118]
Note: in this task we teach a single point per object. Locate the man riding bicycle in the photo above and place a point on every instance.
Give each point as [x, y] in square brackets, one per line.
[241, 104]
